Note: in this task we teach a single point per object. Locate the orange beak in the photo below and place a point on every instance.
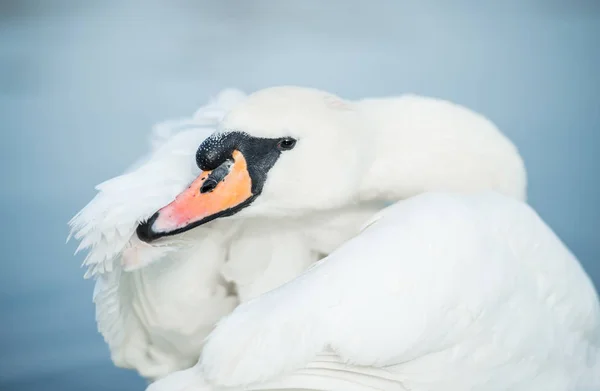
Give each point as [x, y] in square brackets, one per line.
[217, 193]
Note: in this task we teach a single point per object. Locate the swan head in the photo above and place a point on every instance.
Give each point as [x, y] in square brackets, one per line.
[284, 151]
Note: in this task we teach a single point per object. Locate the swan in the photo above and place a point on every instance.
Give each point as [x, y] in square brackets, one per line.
[458, 286]
[155, 304]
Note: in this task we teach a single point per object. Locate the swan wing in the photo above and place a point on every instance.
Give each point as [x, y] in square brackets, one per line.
[444, 291]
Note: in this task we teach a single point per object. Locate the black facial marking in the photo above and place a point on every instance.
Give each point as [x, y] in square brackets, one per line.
[215, 154]
[260, 154]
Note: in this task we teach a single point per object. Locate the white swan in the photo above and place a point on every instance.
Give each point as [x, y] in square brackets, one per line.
[443, 291]
[156, 304]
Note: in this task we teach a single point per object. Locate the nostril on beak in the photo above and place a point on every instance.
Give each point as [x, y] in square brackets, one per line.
[216, 176]
[208, 185]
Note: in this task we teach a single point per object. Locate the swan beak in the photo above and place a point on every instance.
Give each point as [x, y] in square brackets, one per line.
[217, 193]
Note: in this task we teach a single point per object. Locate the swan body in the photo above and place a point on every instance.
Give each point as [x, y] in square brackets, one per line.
[155, 304]
[457, 286]
[443, 291]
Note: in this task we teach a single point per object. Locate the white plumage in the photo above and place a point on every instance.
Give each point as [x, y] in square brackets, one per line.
[135, 302]
[455, 289]
[155, 304]
[442, 292]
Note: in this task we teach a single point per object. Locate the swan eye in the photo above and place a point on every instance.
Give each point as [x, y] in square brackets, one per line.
[286, 144]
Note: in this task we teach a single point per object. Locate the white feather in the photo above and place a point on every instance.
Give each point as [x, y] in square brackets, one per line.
[106, 227]
[441, 291]
[156, 303]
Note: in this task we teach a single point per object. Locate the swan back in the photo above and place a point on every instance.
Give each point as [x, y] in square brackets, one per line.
[427, 144]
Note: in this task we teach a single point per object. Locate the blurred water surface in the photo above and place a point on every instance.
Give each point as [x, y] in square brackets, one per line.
[82, 82]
